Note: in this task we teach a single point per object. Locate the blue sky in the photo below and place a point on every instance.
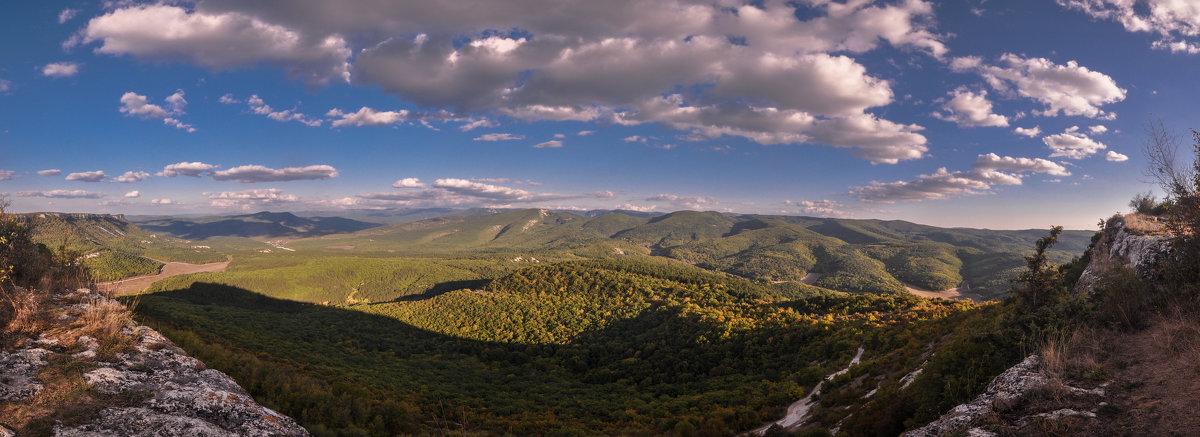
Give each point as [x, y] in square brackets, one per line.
[1013, 114]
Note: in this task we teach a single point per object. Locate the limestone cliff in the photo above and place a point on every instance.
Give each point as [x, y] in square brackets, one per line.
[1124, 245]
[132, 383]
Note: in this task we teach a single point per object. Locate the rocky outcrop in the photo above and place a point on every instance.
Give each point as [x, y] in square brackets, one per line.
[161, 390]
[1119, 246]
[1005, 389]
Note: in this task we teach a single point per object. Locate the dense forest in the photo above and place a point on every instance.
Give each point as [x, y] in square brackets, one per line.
[533, 322]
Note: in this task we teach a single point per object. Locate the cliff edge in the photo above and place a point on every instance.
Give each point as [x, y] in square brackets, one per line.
[84, 369]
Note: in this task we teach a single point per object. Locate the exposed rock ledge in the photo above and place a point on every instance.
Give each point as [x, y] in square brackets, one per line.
[1121, 247]
[1007, 388]
[165, 392]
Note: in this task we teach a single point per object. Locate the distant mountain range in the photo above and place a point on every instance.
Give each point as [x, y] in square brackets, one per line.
[262, 224]
[844, 254]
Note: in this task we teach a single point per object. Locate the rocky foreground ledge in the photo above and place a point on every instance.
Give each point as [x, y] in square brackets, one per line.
[144, 386]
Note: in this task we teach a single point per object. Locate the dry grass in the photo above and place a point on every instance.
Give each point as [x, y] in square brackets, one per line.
[25, 313]
[1074, 355]
[1144, 224]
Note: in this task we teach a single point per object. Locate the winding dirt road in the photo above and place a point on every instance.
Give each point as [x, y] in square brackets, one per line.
[138, 284]
[952, 293]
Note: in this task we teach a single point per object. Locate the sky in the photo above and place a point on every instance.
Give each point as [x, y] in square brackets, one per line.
[973, 113]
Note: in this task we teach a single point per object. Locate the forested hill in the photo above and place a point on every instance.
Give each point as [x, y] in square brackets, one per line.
[262, 224]
[110, 246]
[841, 254]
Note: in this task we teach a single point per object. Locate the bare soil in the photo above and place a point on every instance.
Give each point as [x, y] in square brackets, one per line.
[139, 284]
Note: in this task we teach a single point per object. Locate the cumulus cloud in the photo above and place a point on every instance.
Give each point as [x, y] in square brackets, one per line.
[62, 194]
[1097, 129]
[499, 137]
[1069, 89]
[133, 194]
[767, 71]
[163, 201]
[1115, 157]
[87, 176]
[689, 202]
[7, 175]
[66, 15]
[1175, 23]
[970, 109]
[1030, 132]
[497, 193]
[552, 144]
[820, 208]
[584, 133]
[258, 106]
[60, 69]
[250, 198]
[5, 85]
[409, 183]
[992, 161]
[132, 176]
[194, 169]
[256, 173]
[1072, 144]
[229, 99]
[218, 41]
[137, 105]
[988, 171]
[50, 172]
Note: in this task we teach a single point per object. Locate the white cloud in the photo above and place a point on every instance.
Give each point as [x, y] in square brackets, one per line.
[471, 125]
[939, 185]
[7, 175]
[1115, 157]
[194, 169]
[689, 202]
[258, 106]
[62, 194]
[1031, 132]
[256, 173]
[552, 144]
[5, 85]
[66, 15]
[133, 194]
[820, 208]
[1069, 89]
[60, 69]
[499, 137]
[218, 41]
[87, 176]
[499, 193]
[408, 183]
[967, 108]
[137, 105]
[634, 139]
[163, 201]
[367, 117]
[758, 64]
[584, 133]
[229, 99]
[1097, 129]
[560, 136]
[991, 161]
[1072, 144]
[988, 170]
[132, 176]
[250, 198]
[1176, 23]
[50, 172]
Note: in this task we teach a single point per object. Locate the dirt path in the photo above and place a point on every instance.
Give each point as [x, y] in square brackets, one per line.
[797, 412]
[139, 284]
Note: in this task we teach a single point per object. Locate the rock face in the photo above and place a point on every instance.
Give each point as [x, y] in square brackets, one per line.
[1121, 247]
[164, 391]
[1006, 388]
